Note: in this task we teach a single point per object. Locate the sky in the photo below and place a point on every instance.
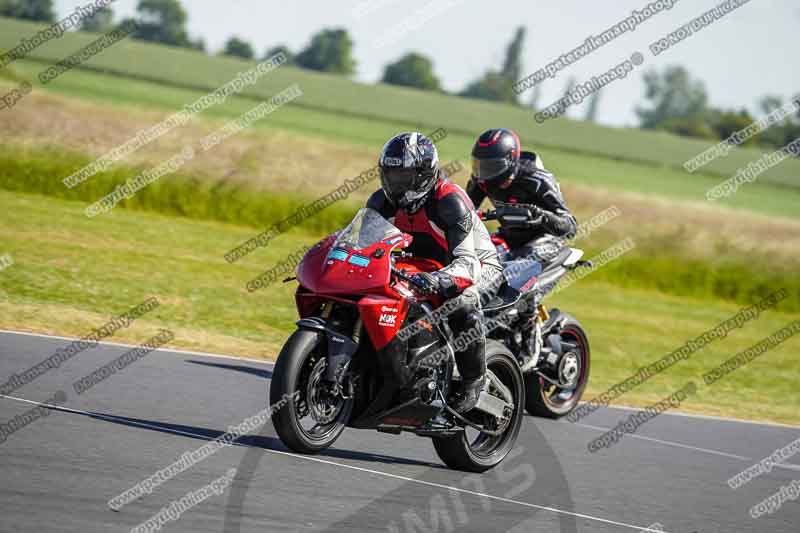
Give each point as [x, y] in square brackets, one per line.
[741, 57]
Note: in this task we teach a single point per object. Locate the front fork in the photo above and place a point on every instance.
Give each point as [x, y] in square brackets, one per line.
[341, 348]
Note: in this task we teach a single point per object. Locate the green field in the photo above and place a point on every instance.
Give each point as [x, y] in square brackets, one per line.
[422, 109]
[615, 174]
[694, 264]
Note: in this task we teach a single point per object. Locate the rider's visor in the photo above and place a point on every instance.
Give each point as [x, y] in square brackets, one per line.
[486, 169]
[397, 181]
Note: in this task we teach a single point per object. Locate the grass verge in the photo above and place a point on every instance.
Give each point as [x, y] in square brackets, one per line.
[596, 171]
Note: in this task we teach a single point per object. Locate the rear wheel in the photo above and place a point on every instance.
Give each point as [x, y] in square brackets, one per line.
[475, 451]
[551, 401]
[313, 416]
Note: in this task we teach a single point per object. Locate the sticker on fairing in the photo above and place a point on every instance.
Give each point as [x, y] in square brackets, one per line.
[388, 320]
[359, 260]
[338, 253]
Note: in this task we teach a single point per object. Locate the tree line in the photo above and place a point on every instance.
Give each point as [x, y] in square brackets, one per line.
[674, 101]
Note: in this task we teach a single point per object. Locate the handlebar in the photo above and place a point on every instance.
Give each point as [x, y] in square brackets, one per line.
[410, 279]
[405, 277]
[519, 215]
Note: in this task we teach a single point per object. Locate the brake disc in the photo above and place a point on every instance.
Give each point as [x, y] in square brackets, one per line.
[323, 406]
[569, 370]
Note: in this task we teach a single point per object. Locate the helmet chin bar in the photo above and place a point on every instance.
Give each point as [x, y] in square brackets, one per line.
[412, 206]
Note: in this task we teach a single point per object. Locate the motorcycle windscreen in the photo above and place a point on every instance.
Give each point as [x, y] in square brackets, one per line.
[367, 228]
[350, 265]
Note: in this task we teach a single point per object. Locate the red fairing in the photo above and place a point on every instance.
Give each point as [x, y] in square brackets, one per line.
[382, 318]
[306, 302]
[319, 274]
[312, 262]
[363, 277]
[413, 265]
[384, 315]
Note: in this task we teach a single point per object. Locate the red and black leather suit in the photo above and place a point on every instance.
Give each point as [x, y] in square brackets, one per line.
[447, 229]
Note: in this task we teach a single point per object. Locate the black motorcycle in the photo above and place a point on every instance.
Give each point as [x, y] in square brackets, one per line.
[552, 347]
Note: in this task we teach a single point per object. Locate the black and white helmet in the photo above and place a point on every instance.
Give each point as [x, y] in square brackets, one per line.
[409, 166]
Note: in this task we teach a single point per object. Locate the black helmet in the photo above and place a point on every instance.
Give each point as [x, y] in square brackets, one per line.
[409, 167]
[495, 158]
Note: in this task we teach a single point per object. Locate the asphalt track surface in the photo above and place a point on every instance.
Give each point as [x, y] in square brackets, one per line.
[59, 472]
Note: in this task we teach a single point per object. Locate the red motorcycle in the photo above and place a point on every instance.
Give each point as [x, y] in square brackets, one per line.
[370, 352]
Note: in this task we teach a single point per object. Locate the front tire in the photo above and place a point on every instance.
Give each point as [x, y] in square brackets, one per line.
[548, 401]
[461, 452]
[299, 364]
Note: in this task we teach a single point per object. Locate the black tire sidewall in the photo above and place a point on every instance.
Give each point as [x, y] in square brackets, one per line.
[456, 452]
[535, 403]
[287, 369]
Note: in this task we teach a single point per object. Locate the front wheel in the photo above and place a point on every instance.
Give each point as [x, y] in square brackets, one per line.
[550, 401]
[474, 451]
[308, 416]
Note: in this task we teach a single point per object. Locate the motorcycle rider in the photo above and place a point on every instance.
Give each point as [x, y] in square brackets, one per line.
[507, 175]
[420, 200]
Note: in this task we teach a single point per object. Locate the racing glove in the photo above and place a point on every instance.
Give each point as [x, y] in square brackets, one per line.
[555, 223]
[435, 283]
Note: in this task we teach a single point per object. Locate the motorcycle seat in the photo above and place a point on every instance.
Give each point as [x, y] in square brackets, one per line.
[519, 272]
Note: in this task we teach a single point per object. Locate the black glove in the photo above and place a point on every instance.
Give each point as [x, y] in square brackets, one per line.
[435, 283]
[538, 215]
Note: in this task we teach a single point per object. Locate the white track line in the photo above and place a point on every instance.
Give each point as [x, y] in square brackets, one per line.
[349, 467]
[669, 443]
[786, 466]
[704, 417]
[123, 345]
